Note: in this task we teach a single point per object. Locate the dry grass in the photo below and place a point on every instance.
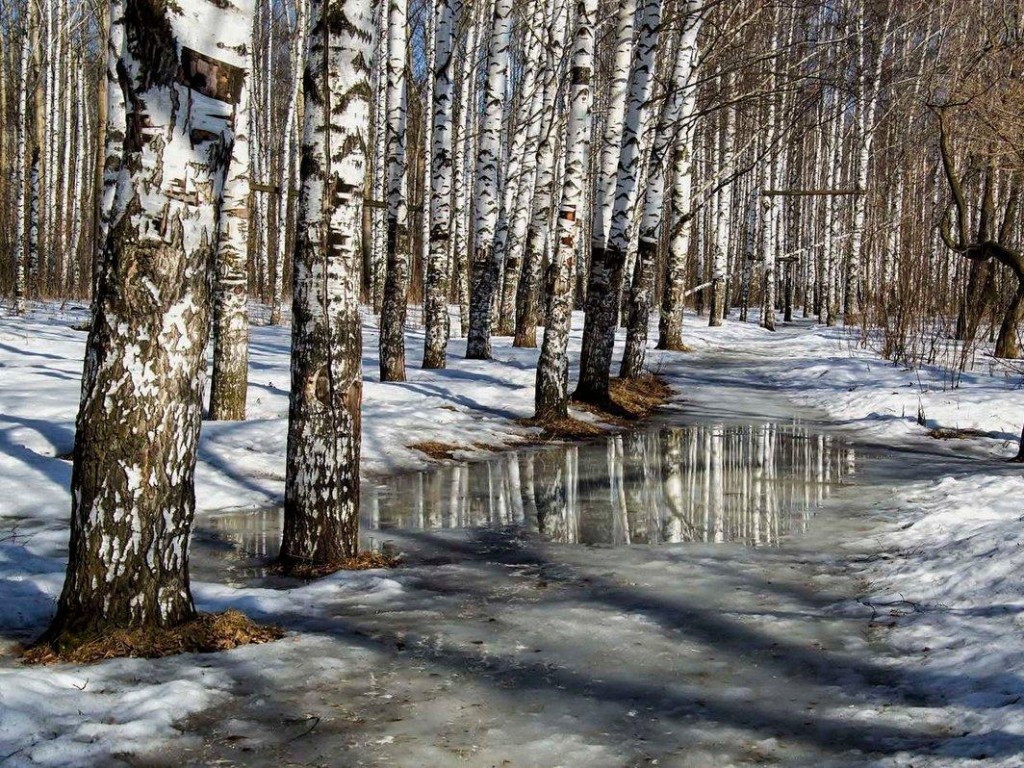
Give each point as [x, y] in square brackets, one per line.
[943, 433]
[207, 633]
[363, 561]
[490, 447]
[640, 397]
[564, 429]
[436, 450]
[630, 400]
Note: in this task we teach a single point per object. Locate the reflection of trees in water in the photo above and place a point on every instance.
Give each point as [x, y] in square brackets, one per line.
[255, 533]
[705, 483]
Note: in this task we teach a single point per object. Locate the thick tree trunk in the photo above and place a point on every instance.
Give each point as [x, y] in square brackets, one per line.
[552, 390]
[321, 507]
[138, 426]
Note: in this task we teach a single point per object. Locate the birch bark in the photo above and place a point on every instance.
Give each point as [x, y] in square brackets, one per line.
[321, 508]
[607, 263]
[138, 425]
[677, 107]
[519, 191]
[20, 186]
[552, 388]
[290, 164]
[396, 281]
[541, 202]
[230, 378]
[723, 214]
[484, 272]
[438, 275]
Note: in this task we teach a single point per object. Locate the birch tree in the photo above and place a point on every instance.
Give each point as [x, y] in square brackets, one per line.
[521, 180]
[541, 202]
[676, 108]
[723, 212]
[484, 274]
[321, 507]
[552, 388]
[230, 290]
[290, 164]
[20, 185]
[608, 261]
[435, 302]
[138, 425]
[396, 281]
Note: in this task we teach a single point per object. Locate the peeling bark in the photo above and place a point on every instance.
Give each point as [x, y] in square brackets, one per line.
[138, 425]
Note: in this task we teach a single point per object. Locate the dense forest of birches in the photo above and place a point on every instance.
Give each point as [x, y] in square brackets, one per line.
[791, 96]
[497, 164]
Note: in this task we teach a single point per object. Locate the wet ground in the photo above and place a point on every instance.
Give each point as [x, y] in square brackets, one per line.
[677, 596]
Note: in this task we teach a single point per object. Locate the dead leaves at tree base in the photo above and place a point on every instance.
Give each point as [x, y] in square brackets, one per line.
[207, 633]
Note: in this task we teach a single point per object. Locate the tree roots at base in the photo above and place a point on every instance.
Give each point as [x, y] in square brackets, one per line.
[207, 633]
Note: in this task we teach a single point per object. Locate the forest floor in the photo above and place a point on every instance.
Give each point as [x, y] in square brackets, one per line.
[890, 633]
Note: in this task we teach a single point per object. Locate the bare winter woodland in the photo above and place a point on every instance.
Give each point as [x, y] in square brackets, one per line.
[480, 169]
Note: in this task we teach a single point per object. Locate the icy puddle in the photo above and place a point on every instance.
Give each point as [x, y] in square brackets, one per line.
[751, 484]
[673, 596]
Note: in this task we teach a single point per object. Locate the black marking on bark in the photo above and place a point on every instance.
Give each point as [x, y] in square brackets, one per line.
[151, 41]
[211, 77]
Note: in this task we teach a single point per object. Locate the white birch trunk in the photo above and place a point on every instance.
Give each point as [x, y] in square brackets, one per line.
[604, 199]
[608, 263]
[378, 256]
[396, 281]
[677, 107]
[552, 388]
[866, 117]
[537, 206]
[462, 156]
[723, 214]
[520, 184]
[484, 274]
[138, 425]
[20, 185]
[438, 278]
[290, 161]
[78, 196]
[230, 378]
[321, 509]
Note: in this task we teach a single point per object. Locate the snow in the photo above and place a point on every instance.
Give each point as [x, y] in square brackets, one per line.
[560, 655]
